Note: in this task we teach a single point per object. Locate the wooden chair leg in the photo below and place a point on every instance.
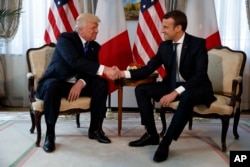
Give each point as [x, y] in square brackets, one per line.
[78, 120]
[38, 116]
[225, 125]
[163, 121]
[32, 117]
[190, 123]
[236, 122]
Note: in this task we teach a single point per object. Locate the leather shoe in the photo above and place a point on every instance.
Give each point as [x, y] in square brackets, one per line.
[146, 139]
[49, 144]
[161, 153]
[99, 136]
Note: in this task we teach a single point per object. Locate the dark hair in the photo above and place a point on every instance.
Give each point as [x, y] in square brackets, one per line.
[179, 17]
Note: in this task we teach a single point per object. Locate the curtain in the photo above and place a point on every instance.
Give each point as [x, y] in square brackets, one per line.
[30, 34]
[235, 33]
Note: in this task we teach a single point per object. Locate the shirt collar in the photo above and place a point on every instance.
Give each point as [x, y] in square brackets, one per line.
[180, 41]
[83, 40]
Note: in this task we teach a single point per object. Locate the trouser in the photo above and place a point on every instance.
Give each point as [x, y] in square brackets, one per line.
[53, 90]
[187, 100]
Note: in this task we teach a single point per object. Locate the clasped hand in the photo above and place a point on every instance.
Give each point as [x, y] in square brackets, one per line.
[112, 73]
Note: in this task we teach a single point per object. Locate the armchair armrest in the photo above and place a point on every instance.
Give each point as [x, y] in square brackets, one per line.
[236, 90]
[238, 79]
[30, 76]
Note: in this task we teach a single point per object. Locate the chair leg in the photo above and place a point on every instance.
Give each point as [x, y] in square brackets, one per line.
[190, 124]
[236, 122]
[78, 120]
[32, 117]
[38, 116]
[225, 125]
[163, 121]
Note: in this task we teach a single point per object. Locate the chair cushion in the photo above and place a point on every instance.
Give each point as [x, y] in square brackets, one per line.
[39, 60]
[220, 106]
[80, 103]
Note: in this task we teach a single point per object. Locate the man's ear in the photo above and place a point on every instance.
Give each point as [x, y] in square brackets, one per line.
[178, 28]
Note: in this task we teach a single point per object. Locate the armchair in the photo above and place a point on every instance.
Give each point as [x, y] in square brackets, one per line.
[38, 59]
[225, 70]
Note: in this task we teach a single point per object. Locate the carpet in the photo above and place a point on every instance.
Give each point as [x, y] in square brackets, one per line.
[198, 147]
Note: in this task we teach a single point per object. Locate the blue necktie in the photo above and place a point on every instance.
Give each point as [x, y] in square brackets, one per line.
[86, 47]
[174, 67]
[177, 68]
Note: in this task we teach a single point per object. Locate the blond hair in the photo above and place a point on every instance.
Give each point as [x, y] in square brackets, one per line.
[84, 18]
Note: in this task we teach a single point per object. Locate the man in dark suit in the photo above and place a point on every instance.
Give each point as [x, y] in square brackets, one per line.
[187, 82]
[74, 71]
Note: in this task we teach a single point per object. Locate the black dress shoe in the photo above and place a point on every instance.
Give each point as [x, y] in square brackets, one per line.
[101, 131]
[146, 139]
[49, 144]
[161, 153]
[99, 136]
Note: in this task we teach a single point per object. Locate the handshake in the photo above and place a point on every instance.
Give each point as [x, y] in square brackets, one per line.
[113, 73]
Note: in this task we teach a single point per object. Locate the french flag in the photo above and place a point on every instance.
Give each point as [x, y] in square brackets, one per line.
[113, 36]
[202, 21]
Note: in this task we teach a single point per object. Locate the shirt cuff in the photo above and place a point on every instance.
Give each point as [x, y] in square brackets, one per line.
[180, 90]
[84, 83]
[100, 70]
[127, 74]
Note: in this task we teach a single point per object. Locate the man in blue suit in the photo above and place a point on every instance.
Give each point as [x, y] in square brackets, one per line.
[186, 81]
[74, 71]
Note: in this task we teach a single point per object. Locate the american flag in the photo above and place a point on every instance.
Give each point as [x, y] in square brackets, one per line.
[148, 35]
[61, 18]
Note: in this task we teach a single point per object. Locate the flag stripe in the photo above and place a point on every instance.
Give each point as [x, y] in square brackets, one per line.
[64, 19]
[152, 26]
[61, 18]
[158, 7]
[213, 40]
[73, 9]
[148, 35]
[54, 28]
[145, 43]
[46, 37]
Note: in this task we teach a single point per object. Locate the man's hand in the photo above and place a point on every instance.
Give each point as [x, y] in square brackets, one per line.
[75, 91]
[121, 74]
[112, 72]
[167, 99]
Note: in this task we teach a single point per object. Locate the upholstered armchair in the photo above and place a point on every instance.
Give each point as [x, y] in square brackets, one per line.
[225, 70]
[38, 59]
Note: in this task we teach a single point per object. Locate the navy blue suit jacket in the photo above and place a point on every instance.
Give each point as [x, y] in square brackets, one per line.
[69, 60]
[193, 64]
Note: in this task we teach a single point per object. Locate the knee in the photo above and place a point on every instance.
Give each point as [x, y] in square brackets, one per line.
[186, 97]
[50, 88]
[102, 84]
[139, 89]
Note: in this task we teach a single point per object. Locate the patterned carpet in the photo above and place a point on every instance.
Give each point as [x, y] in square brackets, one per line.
[197, 147]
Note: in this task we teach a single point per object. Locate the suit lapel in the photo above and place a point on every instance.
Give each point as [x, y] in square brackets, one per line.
[184, 47]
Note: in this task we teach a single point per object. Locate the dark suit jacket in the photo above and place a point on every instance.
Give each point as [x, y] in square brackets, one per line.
[193, 64]
[69, 60]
